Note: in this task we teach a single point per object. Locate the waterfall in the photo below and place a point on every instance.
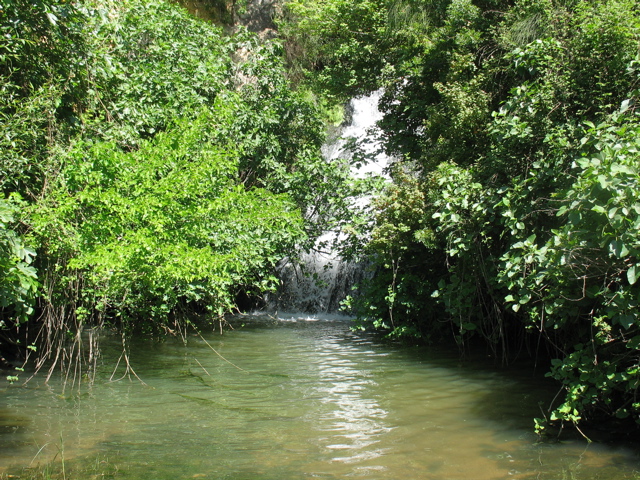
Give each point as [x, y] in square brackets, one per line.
[325, 279]
[362, 116]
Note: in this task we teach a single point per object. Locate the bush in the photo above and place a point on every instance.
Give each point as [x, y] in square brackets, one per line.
[135, 236]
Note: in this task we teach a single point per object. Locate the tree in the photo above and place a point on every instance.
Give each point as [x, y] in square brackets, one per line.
[131, 238]
[517, 120]
[167, 167]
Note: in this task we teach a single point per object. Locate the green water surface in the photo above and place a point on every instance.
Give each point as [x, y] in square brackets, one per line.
[296, 398]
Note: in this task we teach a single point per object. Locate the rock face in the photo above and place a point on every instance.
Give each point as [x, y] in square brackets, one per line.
[257, 15]
[215, 11]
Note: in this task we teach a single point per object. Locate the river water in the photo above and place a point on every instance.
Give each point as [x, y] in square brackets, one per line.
[296, 398]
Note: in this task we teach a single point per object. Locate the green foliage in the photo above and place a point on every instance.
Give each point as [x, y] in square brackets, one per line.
[42, 76]
[339, 41]
[27, 130]
[40, 41]
[404, 269]
[606, 42]
[467, 221]
[18, 278]
[583, 279]
[150, 62]
[168, 166]
[518, 121]
[165, 226]
[278, 133]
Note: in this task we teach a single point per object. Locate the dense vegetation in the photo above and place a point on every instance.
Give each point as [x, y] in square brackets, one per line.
[152, 168]
[514, 211]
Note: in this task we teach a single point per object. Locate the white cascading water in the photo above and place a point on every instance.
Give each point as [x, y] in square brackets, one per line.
[364, 116]
[325, 279]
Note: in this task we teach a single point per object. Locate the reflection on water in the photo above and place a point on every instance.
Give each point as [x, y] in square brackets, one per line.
[298, 399]
[353, 420]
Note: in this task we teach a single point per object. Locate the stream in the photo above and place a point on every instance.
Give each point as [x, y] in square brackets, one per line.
[296, 397]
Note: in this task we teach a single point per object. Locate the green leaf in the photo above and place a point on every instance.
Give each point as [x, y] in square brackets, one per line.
[618, 248]
[626, 321]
